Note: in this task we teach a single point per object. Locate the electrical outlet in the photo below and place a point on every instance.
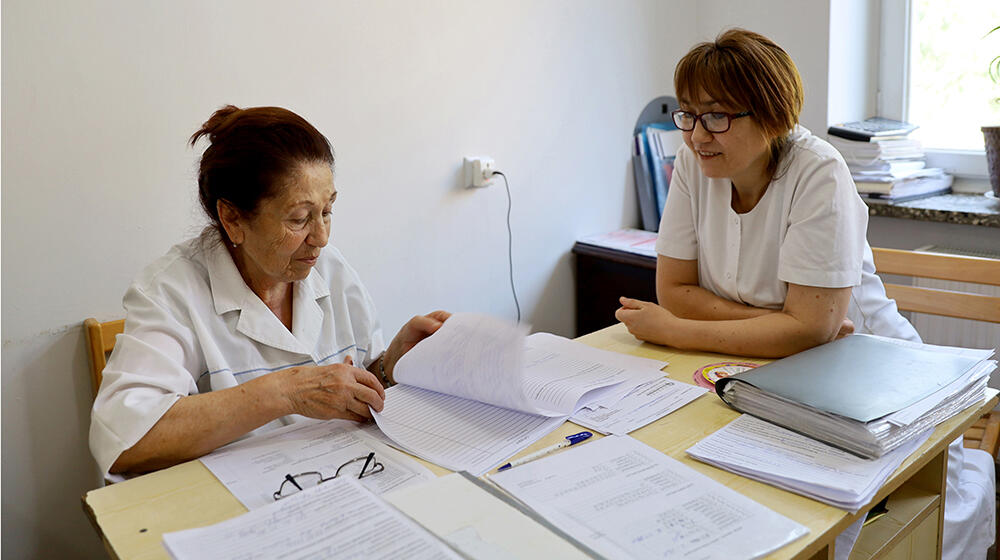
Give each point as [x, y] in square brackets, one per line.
[478, 171]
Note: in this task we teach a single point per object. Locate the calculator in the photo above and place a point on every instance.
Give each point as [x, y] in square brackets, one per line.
[873, 127]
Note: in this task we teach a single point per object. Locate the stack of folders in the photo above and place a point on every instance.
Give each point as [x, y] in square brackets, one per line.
[864, 394]
[654, 147]
[887, 165]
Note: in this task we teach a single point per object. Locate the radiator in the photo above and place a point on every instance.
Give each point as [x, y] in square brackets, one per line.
[950, 331]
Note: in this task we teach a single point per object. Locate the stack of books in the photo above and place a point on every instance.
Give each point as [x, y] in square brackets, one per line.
[887, 165]
[864, 394]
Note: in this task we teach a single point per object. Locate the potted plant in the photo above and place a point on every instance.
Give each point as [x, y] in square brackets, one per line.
[991, 134]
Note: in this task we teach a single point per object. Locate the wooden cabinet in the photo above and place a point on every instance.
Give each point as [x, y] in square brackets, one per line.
[602, 276]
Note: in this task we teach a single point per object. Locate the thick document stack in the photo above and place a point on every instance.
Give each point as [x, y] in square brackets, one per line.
[887, 165]
[864, 394]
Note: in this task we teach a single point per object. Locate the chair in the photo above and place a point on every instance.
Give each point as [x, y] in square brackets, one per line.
[984, 434]
[100, 342]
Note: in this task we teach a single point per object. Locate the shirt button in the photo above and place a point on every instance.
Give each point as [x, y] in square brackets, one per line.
[729, 276]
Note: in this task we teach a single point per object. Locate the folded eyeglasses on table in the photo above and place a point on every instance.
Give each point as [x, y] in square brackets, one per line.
[296, 483]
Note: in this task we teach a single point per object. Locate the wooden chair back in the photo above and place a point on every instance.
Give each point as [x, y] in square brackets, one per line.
[984, 434]
[948, 303]
[100, 342]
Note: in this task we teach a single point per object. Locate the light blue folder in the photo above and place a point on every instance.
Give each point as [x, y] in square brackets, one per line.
[859, 377]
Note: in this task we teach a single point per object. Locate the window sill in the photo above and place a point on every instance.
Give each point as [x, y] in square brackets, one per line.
[955, 208]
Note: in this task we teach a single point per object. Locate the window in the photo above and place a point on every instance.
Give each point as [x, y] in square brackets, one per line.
[934, 72]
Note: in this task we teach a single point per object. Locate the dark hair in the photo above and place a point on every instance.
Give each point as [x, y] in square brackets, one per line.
[251, 152]
[747, 71]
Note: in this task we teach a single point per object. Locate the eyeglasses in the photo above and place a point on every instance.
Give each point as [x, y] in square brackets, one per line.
[299, 482]
[714, 122]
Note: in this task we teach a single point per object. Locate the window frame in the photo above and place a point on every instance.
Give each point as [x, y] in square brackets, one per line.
[892, 99]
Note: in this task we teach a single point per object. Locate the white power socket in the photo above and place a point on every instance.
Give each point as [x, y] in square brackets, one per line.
[478, 171]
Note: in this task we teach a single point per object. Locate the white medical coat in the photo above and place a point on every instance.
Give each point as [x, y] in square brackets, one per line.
[810, 228]
[192, 325]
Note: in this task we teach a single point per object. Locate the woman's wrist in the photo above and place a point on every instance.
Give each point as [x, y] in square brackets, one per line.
[384, 376]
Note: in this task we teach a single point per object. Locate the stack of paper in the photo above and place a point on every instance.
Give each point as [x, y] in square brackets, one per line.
[762, 451]
[888, 169]
[478, 390]
[625, 499]
[864, 394]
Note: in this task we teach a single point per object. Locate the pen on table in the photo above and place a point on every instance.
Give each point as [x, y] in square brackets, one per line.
[570, 440]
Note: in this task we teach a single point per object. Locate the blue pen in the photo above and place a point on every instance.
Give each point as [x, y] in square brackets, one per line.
[570, 440]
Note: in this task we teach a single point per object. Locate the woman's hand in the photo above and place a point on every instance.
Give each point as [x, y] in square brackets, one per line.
[333, 391]
[415, 330]
[646, 320]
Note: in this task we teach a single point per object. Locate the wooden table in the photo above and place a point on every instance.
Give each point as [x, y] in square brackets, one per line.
[131, 516]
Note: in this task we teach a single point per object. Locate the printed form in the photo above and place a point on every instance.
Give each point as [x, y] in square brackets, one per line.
[254, 468]
[625, 499]
[337, 519]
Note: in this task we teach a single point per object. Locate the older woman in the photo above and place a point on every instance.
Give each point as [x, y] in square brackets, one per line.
[254, 323]
[762, 248]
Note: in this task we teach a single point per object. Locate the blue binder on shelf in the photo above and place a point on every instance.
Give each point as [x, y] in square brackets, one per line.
[652, 158]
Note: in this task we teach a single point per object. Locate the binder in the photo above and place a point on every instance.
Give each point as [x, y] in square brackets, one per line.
[843, 393]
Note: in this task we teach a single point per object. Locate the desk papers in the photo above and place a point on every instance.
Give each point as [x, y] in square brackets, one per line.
[337, 519]
[254, 468]
[644, 404]
[480, 522]
[478, 390]
[757, 449]
[625, 499]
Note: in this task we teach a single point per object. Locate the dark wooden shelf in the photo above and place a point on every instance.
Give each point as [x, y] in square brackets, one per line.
[602, 276]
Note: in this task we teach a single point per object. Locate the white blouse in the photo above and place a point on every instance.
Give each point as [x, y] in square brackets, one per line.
[192, 325]
[809, 228]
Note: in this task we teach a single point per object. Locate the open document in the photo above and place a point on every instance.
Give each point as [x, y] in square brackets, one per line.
[625, 499]
[478, 390]
[337, 519]
[254, 468]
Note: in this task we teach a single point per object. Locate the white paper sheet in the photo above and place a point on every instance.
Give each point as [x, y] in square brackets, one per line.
[337, 519]
[477, 523]
[485, 359]
[625, 499]
[644, 404]
[769, 453]
[254, 468]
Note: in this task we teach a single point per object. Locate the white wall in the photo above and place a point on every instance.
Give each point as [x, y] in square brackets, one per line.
[99, 98]
[801, 28]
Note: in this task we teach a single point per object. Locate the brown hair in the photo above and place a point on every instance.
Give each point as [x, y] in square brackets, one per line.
[749, 72]
[251, 152]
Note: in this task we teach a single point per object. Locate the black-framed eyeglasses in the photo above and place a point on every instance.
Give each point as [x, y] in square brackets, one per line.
[305, 480]
[712, 121]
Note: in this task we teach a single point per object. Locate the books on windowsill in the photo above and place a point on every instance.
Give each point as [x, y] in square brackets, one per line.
[864, 394]
[904, 189]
